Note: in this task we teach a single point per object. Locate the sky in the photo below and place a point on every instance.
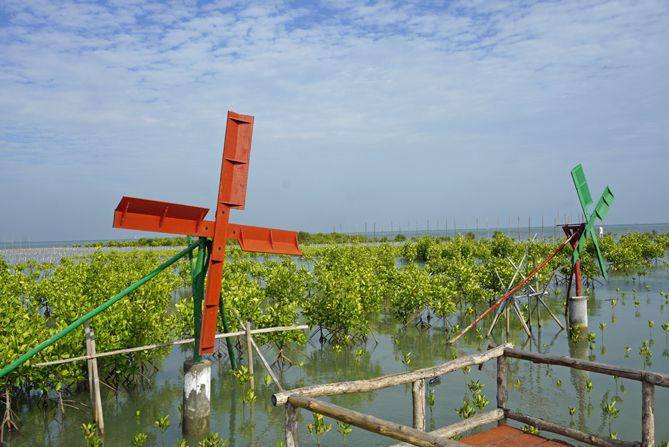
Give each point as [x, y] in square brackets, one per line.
[366, 112]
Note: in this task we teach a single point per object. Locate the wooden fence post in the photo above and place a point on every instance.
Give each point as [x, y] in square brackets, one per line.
[94, 380]
[418, 394]
[292, 429]
[647, 414]
[502, 395]
[249, 348]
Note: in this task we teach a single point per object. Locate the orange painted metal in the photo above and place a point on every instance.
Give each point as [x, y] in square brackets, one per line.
[231, 193]
[265, 240]
[174, 218]
[162, 217]
[507, 436]
[165, 217]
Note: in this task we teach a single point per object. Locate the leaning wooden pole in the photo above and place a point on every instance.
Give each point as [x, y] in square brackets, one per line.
[373, 424]
[512, 291]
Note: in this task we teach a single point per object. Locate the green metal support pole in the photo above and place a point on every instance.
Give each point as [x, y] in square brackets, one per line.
[199, 273]
[190, 260]
[25, 357]
[226, 329]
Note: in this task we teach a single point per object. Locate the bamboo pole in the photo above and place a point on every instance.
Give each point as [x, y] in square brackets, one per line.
[373, 424]
[171, 343]
[94, 380]
[647, 414]
[418, 397]
[262, 357]
[249, 349]
[463, 426]
[292, 428]
[363, 386]
[585, 365]
[569, 432]
[502, 395]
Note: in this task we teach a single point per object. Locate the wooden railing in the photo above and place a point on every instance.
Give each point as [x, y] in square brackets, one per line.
[416, 435]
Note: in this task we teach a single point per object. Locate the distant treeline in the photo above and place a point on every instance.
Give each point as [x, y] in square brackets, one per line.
[303, 238]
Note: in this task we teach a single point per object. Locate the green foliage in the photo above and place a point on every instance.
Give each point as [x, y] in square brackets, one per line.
[633, 253]
[531, 429]
[162, 422]
[213, 440]
[90, 435]
[139, 439]
[350, 284]
[344, 430]
[318, 428]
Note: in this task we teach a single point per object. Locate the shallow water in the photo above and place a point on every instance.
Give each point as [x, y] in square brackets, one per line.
[535, 393]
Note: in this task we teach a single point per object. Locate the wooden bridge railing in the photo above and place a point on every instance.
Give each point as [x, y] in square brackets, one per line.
[416, 435]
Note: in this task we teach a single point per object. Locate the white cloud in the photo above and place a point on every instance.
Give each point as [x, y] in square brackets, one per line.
[411, 89]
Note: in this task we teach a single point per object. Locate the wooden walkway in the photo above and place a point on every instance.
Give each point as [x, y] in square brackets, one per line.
[506, 436]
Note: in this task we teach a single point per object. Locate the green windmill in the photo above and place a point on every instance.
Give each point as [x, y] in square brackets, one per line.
[586, 230]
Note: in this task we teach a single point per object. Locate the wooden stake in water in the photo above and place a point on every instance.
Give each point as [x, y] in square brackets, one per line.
[249, 347]
[94, 380]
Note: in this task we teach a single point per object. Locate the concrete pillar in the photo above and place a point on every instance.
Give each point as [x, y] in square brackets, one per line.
[196, 404]
[578, 311]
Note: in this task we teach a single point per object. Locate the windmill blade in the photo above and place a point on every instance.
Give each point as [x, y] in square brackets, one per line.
[582, 188]
[605, 202]
[600, 258]
[600, 212]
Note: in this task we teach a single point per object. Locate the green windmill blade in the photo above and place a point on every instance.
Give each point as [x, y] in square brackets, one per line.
[584, 196]
[600, 212]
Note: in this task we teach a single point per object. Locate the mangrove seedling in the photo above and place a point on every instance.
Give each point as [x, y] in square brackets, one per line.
[162, 423]
[651, 325]
[558, 383]
[407, 358]
[531, 429]
[213, 440]
[466, 410]
[480, 401]
[249, 396]
[572, 410]
[90, 435]
[139, 439]
[610, 411]
[344, 430]
[645, 352]
[475, 386]
[588, 385]
[319, 428]
[431, 399]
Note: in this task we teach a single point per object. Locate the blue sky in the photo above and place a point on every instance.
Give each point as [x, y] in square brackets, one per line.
[365, 111]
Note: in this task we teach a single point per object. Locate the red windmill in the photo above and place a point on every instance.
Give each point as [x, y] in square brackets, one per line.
[163, 217]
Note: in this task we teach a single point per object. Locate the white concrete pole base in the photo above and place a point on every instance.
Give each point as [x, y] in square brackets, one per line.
[578, 311]
[196, 403]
